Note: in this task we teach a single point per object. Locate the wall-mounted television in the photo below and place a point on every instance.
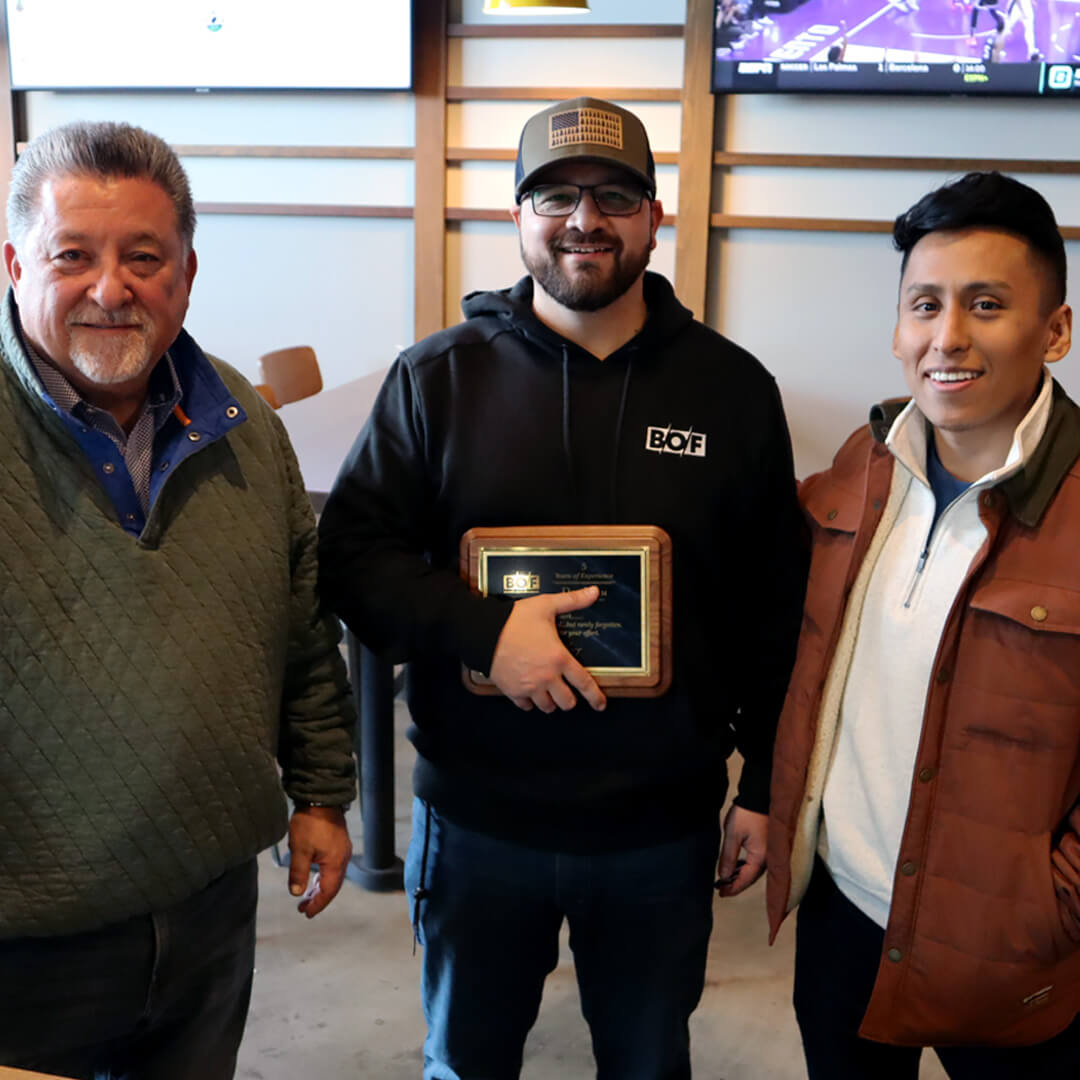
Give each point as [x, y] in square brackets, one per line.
[202, 45]
[1007, 47]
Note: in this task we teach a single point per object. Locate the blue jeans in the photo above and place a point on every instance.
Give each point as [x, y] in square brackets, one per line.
[158, 997]
[489, 917]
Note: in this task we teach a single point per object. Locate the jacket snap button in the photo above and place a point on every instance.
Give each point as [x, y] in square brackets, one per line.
[895, 955]
[926, 775]
[908, 869]
[831, 515]
[988, 499]
[943, 675]
[194, 436]
[1039, 613]
[108, 468]
[232, 412]
[877, 504]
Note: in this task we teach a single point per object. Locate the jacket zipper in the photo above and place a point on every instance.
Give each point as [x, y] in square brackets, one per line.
[925, 553]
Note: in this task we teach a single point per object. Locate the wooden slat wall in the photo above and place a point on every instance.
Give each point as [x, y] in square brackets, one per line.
[560, 93]
[430, 218]
[728, 159]
[695, 159]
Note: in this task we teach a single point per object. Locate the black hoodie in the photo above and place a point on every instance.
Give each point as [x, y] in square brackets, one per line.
[501, 421]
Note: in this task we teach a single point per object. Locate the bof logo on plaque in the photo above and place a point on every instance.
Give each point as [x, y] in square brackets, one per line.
[625, 637]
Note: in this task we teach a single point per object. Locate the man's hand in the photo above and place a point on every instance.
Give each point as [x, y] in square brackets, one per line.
[532, 666]
[1066, 873]
[742, 858]
[317, 834]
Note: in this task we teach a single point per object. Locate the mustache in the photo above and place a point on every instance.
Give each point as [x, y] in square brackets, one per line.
[95, 316]
[576, 236]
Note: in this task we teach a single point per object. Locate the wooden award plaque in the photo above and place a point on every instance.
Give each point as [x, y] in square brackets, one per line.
[625, 637]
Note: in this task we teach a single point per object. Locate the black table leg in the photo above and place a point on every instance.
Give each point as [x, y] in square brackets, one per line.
[378, 868]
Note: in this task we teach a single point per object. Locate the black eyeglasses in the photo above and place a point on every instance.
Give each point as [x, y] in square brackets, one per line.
[561, 200]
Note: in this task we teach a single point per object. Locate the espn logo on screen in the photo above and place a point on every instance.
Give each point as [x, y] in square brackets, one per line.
[669, 440]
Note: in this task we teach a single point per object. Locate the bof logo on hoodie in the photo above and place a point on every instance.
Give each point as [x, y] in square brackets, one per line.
[671, 440]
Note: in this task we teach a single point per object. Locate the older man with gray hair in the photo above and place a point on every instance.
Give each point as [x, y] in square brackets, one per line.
[162, 649]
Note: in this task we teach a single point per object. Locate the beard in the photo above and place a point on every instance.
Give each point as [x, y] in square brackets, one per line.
[108, 359]
[591, 287]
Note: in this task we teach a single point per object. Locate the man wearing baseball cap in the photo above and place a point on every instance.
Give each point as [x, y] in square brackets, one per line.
[584, 395]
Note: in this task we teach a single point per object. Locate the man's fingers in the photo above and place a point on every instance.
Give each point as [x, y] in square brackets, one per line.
[573, 600]
[523, 703]
[745, 876]
[331, 877]
[728, 855]
[542, 700]
[562, 695]
[299, 871]
[585, 684]
[1069, 903]
[1070, 848]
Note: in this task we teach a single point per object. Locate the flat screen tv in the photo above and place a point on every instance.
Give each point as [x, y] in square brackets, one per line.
[1008, 47]
[202, 45]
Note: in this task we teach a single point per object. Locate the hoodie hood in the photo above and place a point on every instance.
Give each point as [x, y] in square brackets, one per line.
[666, 318]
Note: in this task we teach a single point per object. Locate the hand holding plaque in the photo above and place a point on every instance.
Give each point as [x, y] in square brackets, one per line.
[624, 639]
[532, 665]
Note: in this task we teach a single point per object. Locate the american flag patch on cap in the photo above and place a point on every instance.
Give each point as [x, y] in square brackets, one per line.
[595, 126]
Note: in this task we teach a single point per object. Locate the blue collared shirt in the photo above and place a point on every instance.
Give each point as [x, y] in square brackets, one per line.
[188, 408]
[137, 448]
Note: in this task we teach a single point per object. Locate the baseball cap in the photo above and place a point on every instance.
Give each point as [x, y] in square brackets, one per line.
[584, 129]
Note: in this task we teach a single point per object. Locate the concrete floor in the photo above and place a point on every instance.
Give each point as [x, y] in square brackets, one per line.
[338, 997]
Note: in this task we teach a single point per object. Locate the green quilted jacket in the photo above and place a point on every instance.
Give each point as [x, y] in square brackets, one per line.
[150, 686]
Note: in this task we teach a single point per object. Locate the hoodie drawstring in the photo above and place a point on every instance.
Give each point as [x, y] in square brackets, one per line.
[618, 440]
[568, 453]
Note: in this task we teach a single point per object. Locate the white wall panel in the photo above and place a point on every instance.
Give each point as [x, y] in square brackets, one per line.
[296, 180]
[341, 285]
[639, 62]
[857, 194]
[328, 119]
[913, 126]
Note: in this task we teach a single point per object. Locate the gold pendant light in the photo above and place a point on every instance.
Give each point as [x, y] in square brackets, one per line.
[536, 7]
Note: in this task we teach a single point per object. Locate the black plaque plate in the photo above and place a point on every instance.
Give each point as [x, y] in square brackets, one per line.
[610, 636]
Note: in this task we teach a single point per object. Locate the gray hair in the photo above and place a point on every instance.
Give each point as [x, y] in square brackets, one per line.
[102, 150]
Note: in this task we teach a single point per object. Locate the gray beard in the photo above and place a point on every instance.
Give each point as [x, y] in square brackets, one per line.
[118, 361]
[589, 291]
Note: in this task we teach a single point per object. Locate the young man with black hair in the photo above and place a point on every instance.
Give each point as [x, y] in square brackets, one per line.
[927, 770]
[566, 400]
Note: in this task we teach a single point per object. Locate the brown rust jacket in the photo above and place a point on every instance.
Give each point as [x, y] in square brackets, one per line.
[982, 942]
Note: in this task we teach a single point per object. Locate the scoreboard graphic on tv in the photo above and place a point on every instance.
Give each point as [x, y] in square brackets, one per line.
[1014, 47]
